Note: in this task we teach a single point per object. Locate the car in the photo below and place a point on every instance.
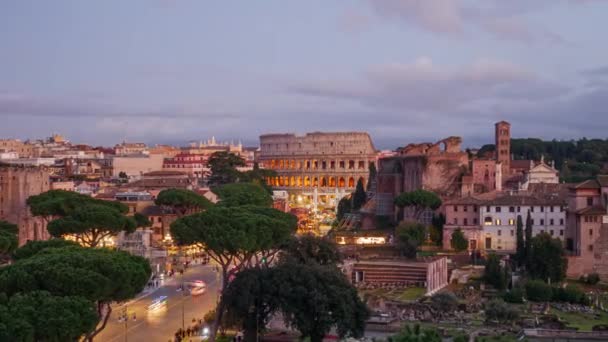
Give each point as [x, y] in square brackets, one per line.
[198, 290]
[205, 333]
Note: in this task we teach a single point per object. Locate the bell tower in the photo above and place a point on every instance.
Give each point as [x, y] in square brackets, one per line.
[503, 146]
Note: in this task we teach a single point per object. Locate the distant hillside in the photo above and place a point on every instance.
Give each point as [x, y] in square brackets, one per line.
[577, 160]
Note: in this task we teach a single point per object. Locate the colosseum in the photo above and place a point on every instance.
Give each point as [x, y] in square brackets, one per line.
[321, 165]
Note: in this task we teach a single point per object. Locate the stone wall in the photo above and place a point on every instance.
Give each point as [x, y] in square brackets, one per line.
[16, 186]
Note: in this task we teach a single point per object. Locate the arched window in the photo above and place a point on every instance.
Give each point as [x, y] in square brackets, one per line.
[306, 181]
[341, 182]
[299, 181]
[323, 182]
[332, 182]
[315, 181]
[351, 182]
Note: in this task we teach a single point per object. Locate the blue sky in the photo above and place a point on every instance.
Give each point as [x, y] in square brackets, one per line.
[404, 70]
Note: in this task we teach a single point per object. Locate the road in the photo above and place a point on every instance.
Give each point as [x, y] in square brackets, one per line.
[161, 324]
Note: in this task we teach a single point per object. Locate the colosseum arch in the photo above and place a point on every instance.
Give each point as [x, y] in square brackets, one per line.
[332, 182]
[315, 181]
[299, 181]
[276, 181]
[351, 182]
[292, 181]
[323, 182]
[341, 182]
[306, 181]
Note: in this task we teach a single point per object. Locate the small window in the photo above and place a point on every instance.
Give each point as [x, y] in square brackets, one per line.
[475, 220]
[511, 209]
[518, 209]
[498, 209]
[532, 220]
[590, 248]
[561, 209]
[455, 208]
[551, 207]
[542, 222]
[511, 222]
[499, 232]
[551, 232]
[498, 222]
[465, 208]
[561, 232]
[475, 208]
[487, 221]
[589, 201]
[590, 232]
[532, 209]
[551, 222]
[466, 222]
[455, 220]
[488, 208]
[542, 209]
[561, 222]
[512, 232]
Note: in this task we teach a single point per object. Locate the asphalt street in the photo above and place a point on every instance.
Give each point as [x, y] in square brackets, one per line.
[161, 324]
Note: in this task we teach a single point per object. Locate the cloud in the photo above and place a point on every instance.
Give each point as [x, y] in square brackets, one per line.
[423, 86]
[424, 101]
[17, 104]
[439, 16]
[503, 20]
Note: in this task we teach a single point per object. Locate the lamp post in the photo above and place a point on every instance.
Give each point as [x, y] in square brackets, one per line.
[125, 316]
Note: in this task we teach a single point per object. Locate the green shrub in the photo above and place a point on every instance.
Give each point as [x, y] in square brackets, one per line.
[516, 295]
[570, 294]
[445, 301]
[539, 291]
[498, 310]
[593, 278]
[461, 338]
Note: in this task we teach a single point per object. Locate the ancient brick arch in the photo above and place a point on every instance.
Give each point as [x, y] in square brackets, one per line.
[332, 182]
[351, 182]
[323, 181]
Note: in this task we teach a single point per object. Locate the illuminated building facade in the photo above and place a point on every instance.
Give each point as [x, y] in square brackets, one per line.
[321, 165]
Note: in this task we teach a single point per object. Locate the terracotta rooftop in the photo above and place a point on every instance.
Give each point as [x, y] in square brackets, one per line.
[520, 164]
[588, 184]
[595, 210]
[164, 173]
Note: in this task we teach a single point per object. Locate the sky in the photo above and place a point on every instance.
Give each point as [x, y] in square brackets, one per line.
[170, 71]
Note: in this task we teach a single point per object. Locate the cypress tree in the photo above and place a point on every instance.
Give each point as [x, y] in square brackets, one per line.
[372, 175]
[528, 249]
[521, 247]
[359, 197]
